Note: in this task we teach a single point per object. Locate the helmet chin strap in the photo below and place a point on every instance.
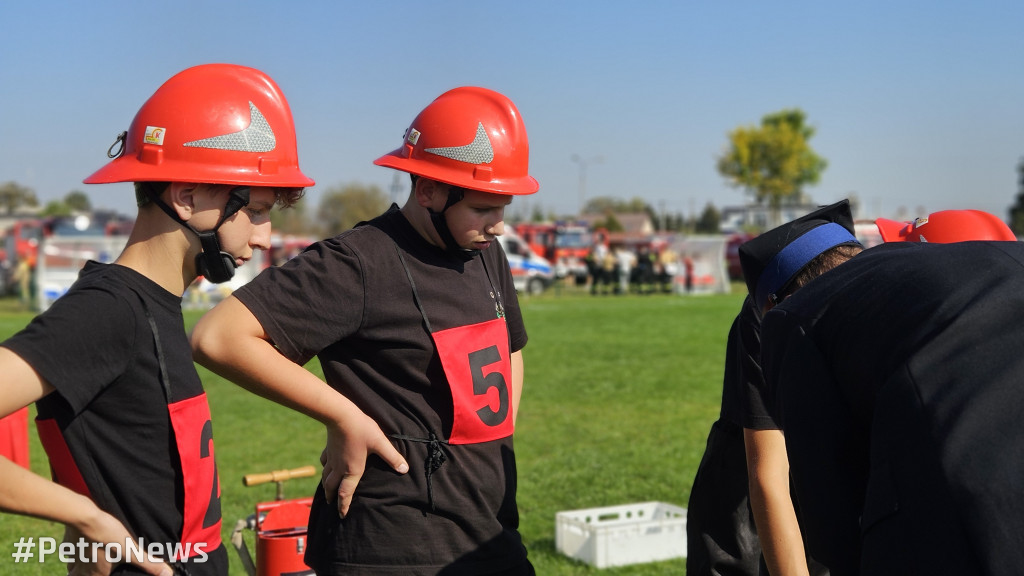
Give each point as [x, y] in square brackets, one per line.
[212, 263]
[441, 226]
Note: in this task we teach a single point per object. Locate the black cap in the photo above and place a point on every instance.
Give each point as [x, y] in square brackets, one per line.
[772, 259]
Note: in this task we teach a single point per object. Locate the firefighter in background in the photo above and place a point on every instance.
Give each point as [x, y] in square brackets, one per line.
[742, 477]
[415, 321]
[595, 261]
[642, 274]
[668, 267]
[688, 271]
[24, 275]
[122, 413]
[625, 261]
[894, 377]
[604, 270]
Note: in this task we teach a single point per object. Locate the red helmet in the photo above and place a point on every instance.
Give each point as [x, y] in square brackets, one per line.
[468, 137]
[215, 124]
[945, 227]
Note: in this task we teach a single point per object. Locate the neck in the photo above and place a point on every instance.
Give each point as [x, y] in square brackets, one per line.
[419, 219]
[162, 251]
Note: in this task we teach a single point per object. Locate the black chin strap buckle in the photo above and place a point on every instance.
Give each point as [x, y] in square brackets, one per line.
[213, 263]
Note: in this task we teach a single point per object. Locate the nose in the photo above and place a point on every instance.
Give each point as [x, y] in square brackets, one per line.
[496, 229]
[260, 238]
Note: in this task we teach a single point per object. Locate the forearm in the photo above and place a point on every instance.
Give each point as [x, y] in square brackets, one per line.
[772, 505]
[517, 383]
[778, 530]
[229, 341]
[28, 494]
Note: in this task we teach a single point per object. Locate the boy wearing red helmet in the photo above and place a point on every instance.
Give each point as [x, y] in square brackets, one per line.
[416, 324]
[122, 413]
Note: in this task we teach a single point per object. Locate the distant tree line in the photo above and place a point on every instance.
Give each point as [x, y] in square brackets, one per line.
[1017, 210]
[772, 162]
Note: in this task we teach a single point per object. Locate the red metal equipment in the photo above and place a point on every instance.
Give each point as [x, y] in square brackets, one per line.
[280, 528]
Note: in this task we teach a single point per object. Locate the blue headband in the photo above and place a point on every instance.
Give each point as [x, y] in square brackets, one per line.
[791, 259]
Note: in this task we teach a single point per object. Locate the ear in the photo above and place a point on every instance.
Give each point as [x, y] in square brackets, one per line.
[427, 191]
[180, 196]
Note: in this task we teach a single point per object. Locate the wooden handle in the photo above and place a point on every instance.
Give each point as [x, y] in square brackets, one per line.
[278, 476]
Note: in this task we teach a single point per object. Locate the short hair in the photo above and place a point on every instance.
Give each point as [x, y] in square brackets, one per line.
[146, 191]
[818, 265]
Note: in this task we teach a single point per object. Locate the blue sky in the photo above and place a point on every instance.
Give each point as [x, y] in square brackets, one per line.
[918, 106]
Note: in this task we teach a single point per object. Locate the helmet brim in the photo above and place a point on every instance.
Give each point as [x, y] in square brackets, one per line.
[397, 160]
[892, 230]
[130, 169]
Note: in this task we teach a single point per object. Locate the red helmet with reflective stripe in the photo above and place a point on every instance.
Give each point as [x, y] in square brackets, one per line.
[946, 226]
[468, 137]
[215, 124]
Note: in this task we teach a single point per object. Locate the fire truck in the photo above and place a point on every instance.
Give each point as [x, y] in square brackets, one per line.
[565, 244]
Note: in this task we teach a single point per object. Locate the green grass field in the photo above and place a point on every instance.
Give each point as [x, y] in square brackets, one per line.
[619, 396]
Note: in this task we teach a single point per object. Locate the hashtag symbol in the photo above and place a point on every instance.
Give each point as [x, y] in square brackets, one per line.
[23, 552]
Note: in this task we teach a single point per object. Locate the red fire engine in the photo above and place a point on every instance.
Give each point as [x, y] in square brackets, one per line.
[565, 244]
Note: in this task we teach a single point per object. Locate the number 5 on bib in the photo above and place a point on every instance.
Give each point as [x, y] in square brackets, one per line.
[475, 359]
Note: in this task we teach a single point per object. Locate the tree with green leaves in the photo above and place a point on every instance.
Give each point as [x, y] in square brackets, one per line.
[773, 161]
[14, 196]
[709, 220]
[1017, 210]
[343, 207]
[610, 223]
[78, 201]
[74, 202]
[293, 220]
[606, 204]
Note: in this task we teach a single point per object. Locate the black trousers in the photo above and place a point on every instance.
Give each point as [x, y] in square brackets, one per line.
[721, 539]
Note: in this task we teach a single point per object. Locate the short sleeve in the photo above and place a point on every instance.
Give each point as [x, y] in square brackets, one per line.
[81, 344]
[754, 395]
[309, 302]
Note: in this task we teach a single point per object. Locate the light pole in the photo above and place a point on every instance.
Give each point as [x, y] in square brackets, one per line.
[583, 163]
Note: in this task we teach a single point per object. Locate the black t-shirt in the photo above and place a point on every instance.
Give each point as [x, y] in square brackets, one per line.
[895, 305]
[95, 346]
[350, 301]
[744, 383]
[907, 341]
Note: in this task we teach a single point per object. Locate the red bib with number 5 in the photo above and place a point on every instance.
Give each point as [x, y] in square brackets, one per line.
[475, 359]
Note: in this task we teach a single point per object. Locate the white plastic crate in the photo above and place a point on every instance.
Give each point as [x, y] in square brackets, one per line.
[620, 535]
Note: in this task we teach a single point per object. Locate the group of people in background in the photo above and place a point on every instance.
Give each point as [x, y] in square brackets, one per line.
[620, 269]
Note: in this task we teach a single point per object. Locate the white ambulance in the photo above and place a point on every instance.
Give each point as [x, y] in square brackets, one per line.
[531, 273]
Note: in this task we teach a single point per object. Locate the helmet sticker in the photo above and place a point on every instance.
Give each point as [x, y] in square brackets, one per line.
[479, 151]
[258, 136]
[918, 222]
[413, 136]
[154, 135]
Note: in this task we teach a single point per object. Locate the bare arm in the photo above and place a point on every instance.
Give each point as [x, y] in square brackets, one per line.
[517, 382]
[21, 385]
[772, 504]
[230, 341]
[28, 494]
